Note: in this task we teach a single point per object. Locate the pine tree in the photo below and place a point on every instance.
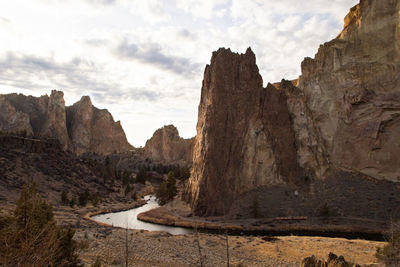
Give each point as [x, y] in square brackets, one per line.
[167, 189]
[31, 236]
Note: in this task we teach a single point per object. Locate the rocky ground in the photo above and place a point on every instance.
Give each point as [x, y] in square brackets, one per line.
[162, 249]
[108, 244]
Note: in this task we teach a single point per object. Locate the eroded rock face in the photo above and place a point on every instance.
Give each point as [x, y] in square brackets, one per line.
[80, 128]
[94, 130]
[166, 146]
[352, 90]
[11, 120]
[41, 116]
[244, 136]
[339, 119]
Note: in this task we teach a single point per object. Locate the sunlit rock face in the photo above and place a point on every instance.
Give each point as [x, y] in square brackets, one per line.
[339, 120]
[94, 130]
[352, 89]
[167, 147]
[41, 116]
[80, 128]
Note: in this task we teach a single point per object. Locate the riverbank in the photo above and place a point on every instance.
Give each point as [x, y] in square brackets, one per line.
[160, 249]
[177, 213]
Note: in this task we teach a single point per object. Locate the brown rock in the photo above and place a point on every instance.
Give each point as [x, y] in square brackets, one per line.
[11, 120]
[46, 115]
[167, 147]
[244, 135]
[80, 128]
[94, 130]
[352, 89]
[332, 261]
[339, 123]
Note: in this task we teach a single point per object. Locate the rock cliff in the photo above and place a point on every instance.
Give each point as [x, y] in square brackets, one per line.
[338, 124]
[94, 130]
[167, 147]
[352, 89]
[80, 128]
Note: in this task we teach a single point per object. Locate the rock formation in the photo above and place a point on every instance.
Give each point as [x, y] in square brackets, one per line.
[352, 89]
[337, 124]
[43, 116]
[80, 128]
[167, 147]
[332, 261]
[94, 130]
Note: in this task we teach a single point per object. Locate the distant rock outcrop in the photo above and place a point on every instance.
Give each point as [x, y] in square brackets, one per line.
[338, 124]
[332, 261]
[80, 128]
[94, 130]
[167, 147]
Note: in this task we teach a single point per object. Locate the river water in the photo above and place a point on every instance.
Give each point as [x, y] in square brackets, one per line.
[128, 219]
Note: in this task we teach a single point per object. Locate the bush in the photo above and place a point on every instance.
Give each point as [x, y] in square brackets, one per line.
[31, 236]
[141, 176]
[83, 198]
[127, 189]
[72, 202]
[95, 199]
[167, 189]
[390, 253]
[97, 263]
[64, 198]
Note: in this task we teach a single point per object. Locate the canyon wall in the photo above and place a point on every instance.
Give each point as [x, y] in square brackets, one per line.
[167, 147]
[80, 128]
[337, 125]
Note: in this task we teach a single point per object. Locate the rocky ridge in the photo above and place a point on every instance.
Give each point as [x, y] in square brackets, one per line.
[167, 147]
[338, 125]
[79, 128]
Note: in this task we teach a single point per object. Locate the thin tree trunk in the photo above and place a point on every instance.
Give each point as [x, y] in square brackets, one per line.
[199, 247]
[126, 247]
[227, 248]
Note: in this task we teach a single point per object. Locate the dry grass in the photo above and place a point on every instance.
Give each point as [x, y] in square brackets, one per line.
[295, 248]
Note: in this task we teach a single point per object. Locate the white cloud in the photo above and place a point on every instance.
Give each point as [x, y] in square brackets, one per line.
[144, 60]
[152, 11]
[201, 9]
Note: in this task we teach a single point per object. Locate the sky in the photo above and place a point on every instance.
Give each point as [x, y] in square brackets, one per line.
[143, 60]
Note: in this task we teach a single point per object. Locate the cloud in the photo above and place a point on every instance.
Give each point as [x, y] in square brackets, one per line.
[4, 20]
[151, 11]
[32, 72]
[127, 53]
[102, 2]
[153, 54]
[201, 9]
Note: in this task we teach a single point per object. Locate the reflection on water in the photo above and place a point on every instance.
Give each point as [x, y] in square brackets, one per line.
[129, 219]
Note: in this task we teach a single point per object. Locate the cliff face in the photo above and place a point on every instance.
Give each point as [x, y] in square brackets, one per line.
[80, 128]
[94, 130]
[244, 135]
[166, 146]
[339, 122]
[44, 116]
[352, 89]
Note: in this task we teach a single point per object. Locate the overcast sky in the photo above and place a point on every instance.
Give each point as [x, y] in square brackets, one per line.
[144, 60]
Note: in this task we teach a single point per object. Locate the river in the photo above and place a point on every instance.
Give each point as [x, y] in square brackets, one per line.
[128, 219]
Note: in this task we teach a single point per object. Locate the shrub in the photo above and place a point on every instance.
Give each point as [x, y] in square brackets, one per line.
[141, 176]
[127, 189]
[31, 237]
[97, 263]
[167, 189]
[64, 198]
[83, 198]
[390, 253]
